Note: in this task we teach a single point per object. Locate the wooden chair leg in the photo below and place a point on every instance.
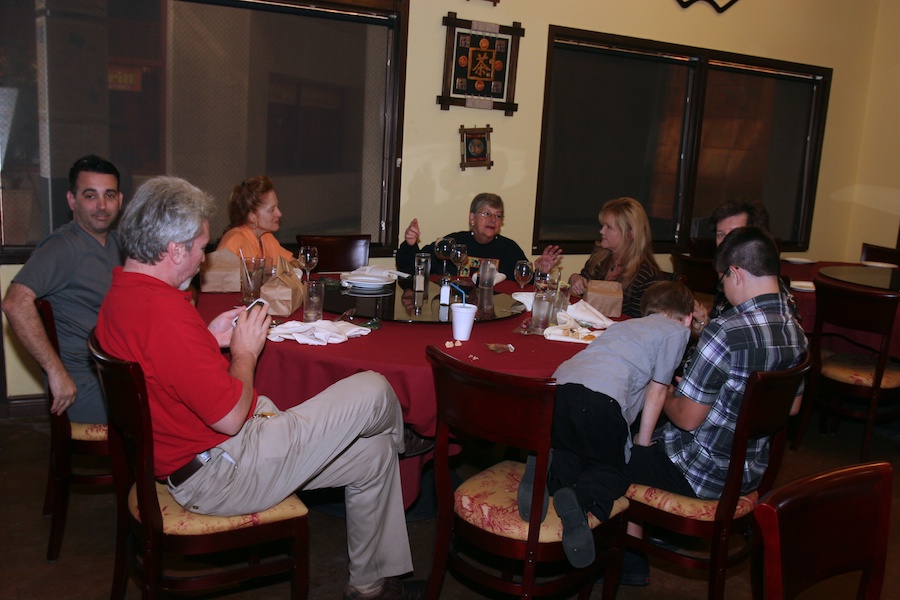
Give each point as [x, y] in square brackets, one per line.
[60, 503]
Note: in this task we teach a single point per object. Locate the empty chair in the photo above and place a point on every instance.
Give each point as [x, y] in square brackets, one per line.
[159, 526]
[699, 273]
[871, 252]
[859, 381]
[764, 411]
[339, 253]
[68, 439]
[482, 513]
[823, 525]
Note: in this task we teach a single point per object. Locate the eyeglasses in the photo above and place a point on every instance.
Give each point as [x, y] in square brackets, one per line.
[725, 273]
[489, 215]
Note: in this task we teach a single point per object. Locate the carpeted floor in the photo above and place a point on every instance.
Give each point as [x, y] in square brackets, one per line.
[84, 568]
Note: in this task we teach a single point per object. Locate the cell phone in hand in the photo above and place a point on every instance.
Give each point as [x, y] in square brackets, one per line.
[252, 304]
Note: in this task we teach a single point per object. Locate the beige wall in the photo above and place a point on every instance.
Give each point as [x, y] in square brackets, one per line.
[858, 183]
[23, 375]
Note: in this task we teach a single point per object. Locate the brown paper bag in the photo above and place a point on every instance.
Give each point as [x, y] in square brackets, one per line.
[221, 272]
[605, 296]
[284, 291]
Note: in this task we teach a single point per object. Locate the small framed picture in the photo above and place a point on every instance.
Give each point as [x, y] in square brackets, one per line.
[475, 147]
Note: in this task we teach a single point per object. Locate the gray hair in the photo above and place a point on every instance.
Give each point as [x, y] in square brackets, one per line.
[164, 210]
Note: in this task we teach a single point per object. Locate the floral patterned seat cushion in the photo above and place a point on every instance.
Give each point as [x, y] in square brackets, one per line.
[858, 369]
[178, 521]
[489, 501]
[89, 432]
[684, 506]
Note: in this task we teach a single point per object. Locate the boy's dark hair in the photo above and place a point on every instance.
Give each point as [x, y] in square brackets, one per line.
[671, 298]
[757, 214]
[751, 249]
[92, 164]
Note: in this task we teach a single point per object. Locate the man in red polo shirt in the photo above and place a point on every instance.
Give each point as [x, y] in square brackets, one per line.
[223, 449]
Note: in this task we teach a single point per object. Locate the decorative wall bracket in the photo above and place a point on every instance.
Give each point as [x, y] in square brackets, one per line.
[720, 7]
[480, 65]
[475, 147]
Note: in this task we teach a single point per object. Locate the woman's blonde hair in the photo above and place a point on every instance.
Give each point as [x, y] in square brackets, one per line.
[637, 244]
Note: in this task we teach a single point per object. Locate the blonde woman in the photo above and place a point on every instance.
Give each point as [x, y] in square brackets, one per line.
[624, 254]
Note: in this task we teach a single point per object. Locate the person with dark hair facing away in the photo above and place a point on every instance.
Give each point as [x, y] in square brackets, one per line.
[72, 268]
[689, 454]
[222, 448]
[482, 240]
[601, 391]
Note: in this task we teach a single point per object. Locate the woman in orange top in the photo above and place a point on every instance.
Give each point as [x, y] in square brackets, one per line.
[254, 215]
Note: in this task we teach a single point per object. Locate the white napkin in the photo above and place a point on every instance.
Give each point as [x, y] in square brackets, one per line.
[497, 278]
[380, 271]
[526, 298]
[318, 333]
[569, 330]
[584, 312]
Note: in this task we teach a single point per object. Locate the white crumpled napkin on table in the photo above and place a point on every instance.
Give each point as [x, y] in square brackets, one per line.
[380, 271]
[318, 333]
[569, 330]
[585, 313]
[526, 298]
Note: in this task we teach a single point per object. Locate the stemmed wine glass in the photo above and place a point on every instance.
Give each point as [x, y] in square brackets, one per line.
[523, 270]
[458, 256]
[308, 258]
[442, 249]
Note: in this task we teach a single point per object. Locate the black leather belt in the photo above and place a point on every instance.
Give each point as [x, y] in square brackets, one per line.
[194, 465]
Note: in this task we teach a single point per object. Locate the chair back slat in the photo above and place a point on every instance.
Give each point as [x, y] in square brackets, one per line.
[506, 409]
[855, 307]
[765, 409]
[823, 525]
[338, 253]
[883, 254]
[45, 312]
[699, 272]
[130, 429]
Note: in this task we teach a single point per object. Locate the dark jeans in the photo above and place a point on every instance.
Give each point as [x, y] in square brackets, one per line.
[649, 465]
[589, 435]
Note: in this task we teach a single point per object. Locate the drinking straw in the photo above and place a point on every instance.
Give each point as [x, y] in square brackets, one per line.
[461, 291]
[244, 264]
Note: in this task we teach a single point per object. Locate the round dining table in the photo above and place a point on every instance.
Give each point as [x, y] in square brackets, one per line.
[290, 373]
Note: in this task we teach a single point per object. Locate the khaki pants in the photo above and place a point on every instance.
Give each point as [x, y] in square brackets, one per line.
[347, 436]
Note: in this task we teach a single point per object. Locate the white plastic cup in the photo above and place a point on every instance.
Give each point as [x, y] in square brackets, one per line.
[462, 317]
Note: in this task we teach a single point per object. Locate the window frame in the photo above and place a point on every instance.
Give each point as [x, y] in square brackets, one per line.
[699, 61]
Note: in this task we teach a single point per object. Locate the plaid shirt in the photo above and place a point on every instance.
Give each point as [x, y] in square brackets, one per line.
[759, 335]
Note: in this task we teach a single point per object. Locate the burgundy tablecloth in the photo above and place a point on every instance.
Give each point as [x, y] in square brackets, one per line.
[289, 372]
[806, 304]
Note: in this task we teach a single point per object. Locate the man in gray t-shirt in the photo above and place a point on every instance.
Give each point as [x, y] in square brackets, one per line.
[72, 268]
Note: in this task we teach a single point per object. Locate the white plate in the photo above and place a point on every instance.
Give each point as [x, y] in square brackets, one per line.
[362, 280]
[803, 286]
[799, 261]
[872, 263]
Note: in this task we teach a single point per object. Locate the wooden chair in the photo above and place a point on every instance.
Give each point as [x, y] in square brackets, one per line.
[67, 440]
[862, 373]
[339, 253]
[871, 252]
[823, 525]
[764, 412]
[700, 275]
[483, 513]
[159, 526]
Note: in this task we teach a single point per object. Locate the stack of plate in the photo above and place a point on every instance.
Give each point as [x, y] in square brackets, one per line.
[366, 284]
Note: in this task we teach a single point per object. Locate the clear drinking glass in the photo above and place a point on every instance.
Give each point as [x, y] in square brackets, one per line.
[308, 258]
[458, 256]
[442, 249]
[523, 271]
